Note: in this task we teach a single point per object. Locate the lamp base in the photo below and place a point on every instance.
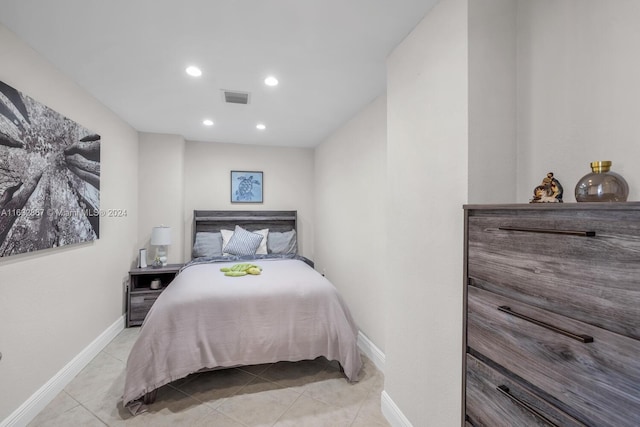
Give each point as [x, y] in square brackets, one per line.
[161, 257]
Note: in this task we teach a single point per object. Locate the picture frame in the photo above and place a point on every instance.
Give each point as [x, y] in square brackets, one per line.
[50, 177]
[247, 187]
[142, 258]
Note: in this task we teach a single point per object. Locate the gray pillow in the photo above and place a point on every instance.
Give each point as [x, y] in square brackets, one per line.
[243, 242]
[282, 243]
[207, 245]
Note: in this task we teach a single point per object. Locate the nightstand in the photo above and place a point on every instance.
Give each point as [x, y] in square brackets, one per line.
[140, 296]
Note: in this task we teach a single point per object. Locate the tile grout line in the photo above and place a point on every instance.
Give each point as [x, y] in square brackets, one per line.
[287, 410]
[94, 415]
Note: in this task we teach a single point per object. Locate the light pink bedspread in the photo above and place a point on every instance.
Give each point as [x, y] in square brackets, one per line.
[205, 319]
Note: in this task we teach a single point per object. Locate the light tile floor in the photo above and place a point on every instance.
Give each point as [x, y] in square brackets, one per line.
[308, 393]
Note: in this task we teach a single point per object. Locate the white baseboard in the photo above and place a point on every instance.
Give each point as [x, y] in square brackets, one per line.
[371, 351]
[392, 413]
[390, 410]
[45, 394]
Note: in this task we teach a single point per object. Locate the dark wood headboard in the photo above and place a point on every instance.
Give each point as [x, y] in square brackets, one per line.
[214, 221]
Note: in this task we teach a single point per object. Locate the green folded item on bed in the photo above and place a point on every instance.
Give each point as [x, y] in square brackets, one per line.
[241, 269]
[235, 273]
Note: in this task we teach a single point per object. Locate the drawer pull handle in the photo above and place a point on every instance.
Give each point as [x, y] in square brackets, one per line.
[547, 231]
[582, 338]
[505, 391]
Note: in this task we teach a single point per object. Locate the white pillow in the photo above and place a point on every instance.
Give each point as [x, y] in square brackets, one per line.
[262, 249]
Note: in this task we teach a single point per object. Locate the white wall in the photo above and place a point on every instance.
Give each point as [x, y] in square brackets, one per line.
[427, 170]
[578, 91]
[492, 101]
[161, 189]
[178, 176]
[53, 303]
[350, 188]
[288, 183]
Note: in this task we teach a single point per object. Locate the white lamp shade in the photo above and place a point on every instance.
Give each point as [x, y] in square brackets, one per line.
[161, 236]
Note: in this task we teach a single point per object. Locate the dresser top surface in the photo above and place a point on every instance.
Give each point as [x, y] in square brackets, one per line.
[626, 206]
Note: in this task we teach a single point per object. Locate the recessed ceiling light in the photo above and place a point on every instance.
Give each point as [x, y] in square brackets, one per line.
[194, 71]
[207, 122]
[271, 81]
[261, 126]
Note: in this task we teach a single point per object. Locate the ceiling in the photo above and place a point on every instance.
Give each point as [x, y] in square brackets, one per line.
[328, 55]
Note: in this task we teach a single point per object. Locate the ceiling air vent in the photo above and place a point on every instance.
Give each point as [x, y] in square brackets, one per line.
[235, 97]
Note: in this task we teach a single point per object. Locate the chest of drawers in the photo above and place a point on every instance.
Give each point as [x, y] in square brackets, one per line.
[552, 315]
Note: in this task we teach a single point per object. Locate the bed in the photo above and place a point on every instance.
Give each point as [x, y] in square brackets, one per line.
[206, 320]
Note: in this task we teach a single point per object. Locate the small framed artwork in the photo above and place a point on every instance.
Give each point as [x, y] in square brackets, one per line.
[142, 258]
[247, 187]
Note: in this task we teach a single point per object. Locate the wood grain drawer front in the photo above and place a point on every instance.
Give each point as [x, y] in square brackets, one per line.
[599, 381]
[141, 302]
[495, 400]
[580, 277]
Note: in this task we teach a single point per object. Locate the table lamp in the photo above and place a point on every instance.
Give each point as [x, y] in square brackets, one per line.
[160, 238]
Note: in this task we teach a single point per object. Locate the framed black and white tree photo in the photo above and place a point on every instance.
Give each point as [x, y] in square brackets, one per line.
[49, 177]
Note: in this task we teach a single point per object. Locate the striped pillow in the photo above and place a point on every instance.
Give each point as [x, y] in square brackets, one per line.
[243, 242]
[262, 249]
